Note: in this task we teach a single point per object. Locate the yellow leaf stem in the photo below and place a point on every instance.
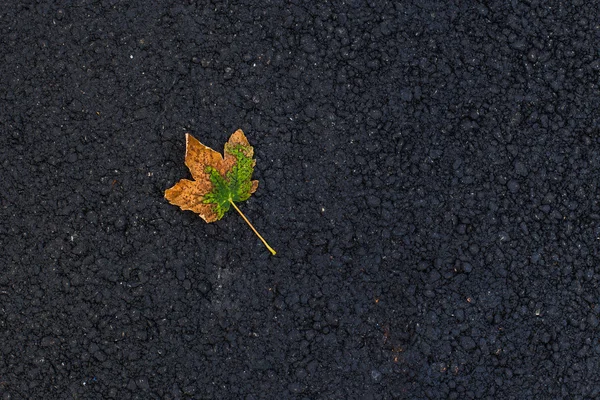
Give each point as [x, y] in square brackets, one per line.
[273, 252]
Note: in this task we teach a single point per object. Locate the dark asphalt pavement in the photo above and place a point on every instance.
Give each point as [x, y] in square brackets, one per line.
[429, 176]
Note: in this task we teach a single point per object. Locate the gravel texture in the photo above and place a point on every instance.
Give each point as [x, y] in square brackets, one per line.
[429, 175]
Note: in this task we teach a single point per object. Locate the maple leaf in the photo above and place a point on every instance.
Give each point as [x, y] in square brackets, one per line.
[219, 181]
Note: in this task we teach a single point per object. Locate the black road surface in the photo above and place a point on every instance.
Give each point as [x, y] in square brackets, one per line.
[429, 175]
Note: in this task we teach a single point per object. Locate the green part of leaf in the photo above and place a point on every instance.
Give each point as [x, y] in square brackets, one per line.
[235, 186]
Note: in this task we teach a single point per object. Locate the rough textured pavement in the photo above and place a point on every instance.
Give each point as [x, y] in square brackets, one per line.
[429, 176]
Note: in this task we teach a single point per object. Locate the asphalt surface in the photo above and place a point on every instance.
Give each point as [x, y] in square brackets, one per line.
[429, 175]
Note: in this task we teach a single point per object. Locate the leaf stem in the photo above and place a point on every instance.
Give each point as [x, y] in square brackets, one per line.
[273, 252]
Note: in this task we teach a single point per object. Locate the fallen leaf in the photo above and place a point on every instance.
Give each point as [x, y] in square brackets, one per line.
[219, 181]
